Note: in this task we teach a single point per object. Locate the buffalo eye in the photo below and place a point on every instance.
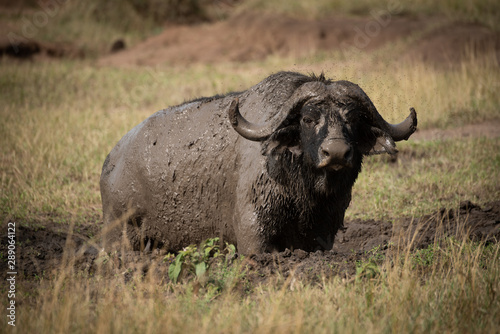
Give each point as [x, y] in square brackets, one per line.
[307, 120]
[310, 115]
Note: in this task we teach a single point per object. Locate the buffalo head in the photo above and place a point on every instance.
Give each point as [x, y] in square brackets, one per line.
[331, 124]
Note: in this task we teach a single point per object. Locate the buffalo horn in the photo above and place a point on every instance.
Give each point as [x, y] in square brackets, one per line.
[252, 131]
[260, 132]
[401, 131]
[398, 132]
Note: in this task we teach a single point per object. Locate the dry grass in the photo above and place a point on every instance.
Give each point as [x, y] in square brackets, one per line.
[452, 286]
[60, 120]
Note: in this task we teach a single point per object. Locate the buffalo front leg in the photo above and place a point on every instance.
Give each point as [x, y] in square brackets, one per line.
[249, 233]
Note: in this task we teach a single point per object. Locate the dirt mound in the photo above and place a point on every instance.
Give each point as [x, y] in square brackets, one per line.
[252, 36]
[452, 42]
[41, 250]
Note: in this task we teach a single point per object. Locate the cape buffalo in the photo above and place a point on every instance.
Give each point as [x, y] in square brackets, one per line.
[266, 169]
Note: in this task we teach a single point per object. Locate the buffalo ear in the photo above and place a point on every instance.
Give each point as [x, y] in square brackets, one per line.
[376, 141]
[285, 138]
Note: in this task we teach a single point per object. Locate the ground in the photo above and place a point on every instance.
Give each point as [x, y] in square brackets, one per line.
[42, 247]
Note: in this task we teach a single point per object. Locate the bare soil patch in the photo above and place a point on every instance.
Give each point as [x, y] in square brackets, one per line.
[362, 240]
[254, 36]
[41, 251]
[489, 129]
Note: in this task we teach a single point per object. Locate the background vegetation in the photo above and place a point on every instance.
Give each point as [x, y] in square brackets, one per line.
[92, 24]
[482, 11]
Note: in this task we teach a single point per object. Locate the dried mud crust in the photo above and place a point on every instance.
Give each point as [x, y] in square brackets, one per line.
[41, 251]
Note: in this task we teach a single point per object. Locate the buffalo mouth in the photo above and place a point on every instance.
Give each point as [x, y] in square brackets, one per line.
[334, 166]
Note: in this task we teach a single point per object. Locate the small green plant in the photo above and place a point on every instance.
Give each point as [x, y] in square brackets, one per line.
[196, 260]
[370, 268]
[376, 254]
[424, 257]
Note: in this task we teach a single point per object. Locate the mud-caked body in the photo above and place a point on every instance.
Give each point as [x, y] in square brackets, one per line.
[266, 169]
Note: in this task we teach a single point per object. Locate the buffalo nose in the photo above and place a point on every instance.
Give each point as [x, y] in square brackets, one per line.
[335, 152]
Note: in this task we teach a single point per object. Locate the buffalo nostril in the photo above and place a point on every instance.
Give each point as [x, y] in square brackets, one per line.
[348, 153]
[325, 153]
